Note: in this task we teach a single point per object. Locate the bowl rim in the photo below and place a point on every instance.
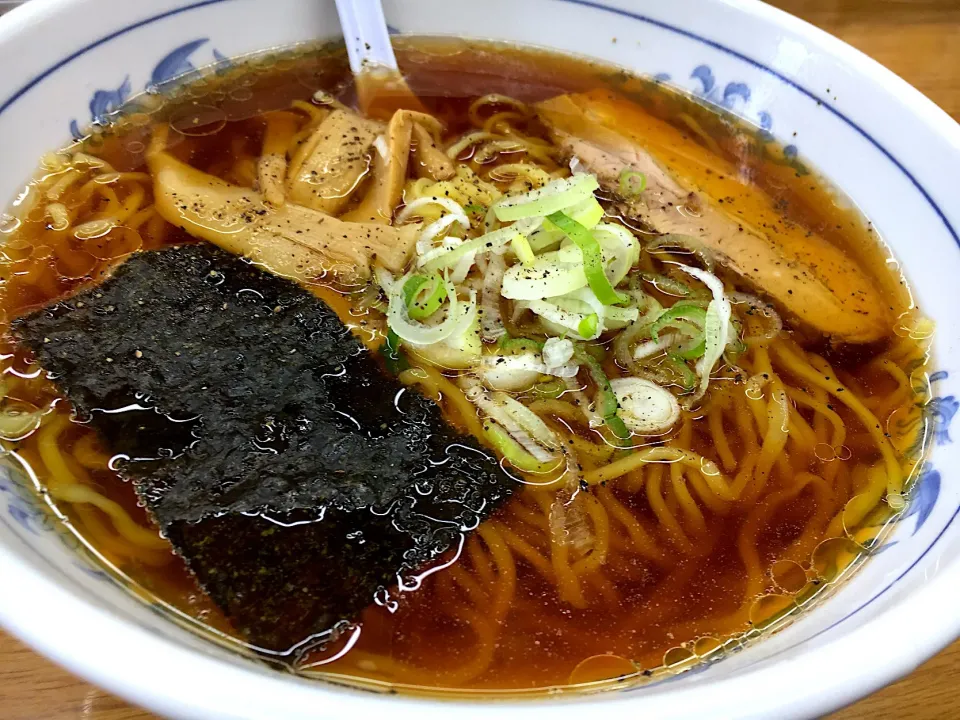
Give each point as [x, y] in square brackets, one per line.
[90, 641]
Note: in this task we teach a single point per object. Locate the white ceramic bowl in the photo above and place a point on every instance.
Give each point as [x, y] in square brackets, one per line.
[892, 150]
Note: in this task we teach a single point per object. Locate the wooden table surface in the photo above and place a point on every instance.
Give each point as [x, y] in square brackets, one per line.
[917, 39]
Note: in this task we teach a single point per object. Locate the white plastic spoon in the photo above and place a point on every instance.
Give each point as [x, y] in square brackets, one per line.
[381, 88]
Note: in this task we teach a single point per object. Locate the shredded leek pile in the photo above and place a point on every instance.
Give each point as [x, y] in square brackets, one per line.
[524, 291]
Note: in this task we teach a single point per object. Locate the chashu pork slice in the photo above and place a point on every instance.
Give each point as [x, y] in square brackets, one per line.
[812, 280]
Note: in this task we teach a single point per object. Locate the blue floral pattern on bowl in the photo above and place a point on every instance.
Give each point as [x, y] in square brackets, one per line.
[175, 66]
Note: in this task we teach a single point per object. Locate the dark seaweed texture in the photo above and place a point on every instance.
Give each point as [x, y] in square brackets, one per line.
[254, 406]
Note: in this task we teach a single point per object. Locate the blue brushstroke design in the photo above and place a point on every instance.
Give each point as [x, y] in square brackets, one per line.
[105, 102]
[925, 496]
[941, 411]
[733, 91]
[92, 572]
[23, 517]
[176, 63]
[704, 74]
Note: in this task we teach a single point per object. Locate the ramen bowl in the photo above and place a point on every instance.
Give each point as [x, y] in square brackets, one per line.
[893, 153]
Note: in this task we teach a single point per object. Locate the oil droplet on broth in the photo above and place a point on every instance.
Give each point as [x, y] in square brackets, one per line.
[75, 265]
[117, 243]
[199, 121]
[678, 656]
[832, 558]
[768, 608]
[789, 576]
[601, 667]
[18, 419]
[707, 646]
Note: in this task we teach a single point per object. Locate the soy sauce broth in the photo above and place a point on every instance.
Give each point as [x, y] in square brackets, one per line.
[640, 617]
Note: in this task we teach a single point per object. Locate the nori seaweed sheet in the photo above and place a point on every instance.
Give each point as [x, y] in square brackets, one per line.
[295, 476]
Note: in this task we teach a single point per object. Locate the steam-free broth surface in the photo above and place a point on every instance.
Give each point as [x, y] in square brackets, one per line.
[672, 567]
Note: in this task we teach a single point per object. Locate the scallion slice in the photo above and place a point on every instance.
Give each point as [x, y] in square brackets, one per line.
[551, 198]
[424, 295]
[592, 258]
[588, 326]
[606, 400]
[632, 183]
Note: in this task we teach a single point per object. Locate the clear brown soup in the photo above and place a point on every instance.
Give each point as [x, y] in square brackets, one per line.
[496, 619]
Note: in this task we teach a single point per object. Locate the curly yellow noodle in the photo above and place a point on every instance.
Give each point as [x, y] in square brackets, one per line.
[66, 179]
[441, 389]
[715, 503]
[663, 513]
[898, 397]
[524, 549]
[643, 543]
[691, 510]
[746, 428]
[796, 365]
[140, 217]
[774, 439]
[63, 485]
[800, 434]
[87, 454]
[646, 455]
[866, 499]
[480, 561]
[490, 124]
[473, 112]
[719, 435]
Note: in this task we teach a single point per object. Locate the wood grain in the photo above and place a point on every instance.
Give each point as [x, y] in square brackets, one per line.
[917, 39]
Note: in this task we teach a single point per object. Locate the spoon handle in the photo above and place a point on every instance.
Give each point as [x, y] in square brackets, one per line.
[365, 34]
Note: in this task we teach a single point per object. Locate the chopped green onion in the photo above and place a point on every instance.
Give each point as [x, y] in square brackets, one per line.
[632, 183]
[459, 315]
[667, 284]
[521, 246]
[606, 401]
[421, 304]
[490, 242]
[592, 258]
[588, 326]
[474, 208]
[597, 351]
[396, 362]
[552, 197]
[513, 452]
[547, 277]
[680, 316]
[588, 213]
[716, 327]
[693, 349]
[550, 389]
[688, 378]
[520, 345]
